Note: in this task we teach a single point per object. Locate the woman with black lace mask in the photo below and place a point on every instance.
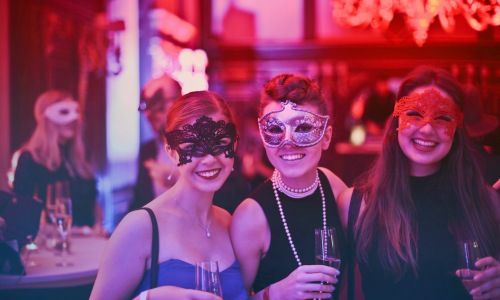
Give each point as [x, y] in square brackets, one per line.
[201, 139]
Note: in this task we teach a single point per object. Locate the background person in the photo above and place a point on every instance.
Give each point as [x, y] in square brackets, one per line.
[273, 229]
[156, 172]
[201, 140]
[425, 193]
[56, 152]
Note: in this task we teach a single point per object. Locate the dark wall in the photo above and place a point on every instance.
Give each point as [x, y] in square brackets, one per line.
[45, 40]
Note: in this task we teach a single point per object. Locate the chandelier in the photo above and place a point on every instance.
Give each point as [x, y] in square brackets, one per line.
[419, 14]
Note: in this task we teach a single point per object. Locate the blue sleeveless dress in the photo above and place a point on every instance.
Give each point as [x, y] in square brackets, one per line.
[175, 272]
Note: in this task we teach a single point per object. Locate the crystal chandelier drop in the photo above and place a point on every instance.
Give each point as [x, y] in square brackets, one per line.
[419, 14]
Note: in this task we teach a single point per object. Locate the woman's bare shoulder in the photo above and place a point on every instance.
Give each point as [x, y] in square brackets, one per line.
[337, 184]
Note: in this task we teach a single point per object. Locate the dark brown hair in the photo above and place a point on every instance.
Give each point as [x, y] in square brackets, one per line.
[390, 211]
[195, 105]
[296, 88]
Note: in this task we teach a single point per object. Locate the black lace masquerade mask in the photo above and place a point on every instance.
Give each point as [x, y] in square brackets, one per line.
[204, 137]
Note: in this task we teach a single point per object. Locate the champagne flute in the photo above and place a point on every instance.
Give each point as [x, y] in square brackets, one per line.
[326, 248]
[50, 210]
[29, 248]
[207, 277]
[63, 219]
[469, 252]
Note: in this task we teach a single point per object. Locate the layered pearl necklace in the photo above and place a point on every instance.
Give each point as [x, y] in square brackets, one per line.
[277, 183]
[296, 193]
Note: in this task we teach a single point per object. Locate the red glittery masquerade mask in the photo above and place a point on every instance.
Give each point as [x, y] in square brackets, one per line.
[428, 107]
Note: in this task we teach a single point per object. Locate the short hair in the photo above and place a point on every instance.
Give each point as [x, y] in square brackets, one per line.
[296, 88]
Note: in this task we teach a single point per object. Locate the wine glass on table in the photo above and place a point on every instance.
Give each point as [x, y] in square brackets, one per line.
[207, 277]
[50, 230]
[327, 248]
[469, 253]
[63, 216]
[29, 248]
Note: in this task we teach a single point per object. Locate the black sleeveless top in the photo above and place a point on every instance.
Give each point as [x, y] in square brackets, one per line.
[302, 216]
[32, 178]
[437, 252]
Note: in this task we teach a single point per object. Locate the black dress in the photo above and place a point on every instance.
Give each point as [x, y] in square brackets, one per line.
[32, 178]
[302, 216]
[437, 252]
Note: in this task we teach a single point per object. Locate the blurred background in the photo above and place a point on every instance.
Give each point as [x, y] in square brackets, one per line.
[106, 51]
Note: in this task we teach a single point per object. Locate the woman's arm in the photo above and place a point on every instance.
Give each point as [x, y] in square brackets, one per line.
[25, 175]
[250, 234]
[343, 203]
[125, 258]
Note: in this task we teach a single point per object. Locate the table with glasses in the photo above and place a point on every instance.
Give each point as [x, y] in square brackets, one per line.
[85, 254]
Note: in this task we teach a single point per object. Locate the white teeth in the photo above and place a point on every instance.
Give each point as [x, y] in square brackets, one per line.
[292, 156]
[424, 143]
[209, 173]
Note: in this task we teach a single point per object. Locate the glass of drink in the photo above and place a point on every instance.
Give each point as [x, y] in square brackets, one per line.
[63, 218]
[326, 248]
[207, 277]
[469, 252]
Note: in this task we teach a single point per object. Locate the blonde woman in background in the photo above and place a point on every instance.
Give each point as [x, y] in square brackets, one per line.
[56, 152]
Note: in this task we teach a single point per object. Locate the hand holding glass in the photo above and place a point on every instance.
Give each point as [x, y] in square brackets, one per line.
[469, 253]
[326, 248]
[207, 277]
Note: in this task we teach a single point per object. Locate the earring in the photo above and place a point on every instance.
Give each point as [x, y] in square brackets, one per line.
[170, 175]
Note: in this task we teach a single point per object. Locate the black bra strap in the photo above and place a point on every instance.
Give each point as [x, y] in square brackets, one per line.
[154, 249]
[357, 196]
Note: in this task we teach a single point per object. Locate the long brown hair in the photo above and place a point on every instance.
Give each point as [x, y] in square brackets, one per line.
[44, 143]
[390, 211]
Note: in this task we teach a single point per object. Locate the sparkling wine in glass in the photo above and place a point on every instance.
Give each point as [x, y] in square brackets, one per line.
[63, 219]
[50, 230]
[207, 277]
[326, 248]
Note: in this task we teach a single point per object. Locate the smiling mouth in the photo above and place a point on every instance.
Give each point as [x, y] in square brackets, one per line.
[424, 144]
[292, 157]
[210, 174]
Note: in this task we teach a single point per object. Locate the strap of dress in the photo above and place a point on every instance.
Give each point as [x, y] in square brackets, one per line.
[154, 249]
[354, 207]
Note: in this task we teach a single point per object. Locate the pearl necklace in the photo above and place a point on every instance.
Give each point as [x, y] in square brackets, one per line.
[275, 181]
[296, 193]
[207, 229]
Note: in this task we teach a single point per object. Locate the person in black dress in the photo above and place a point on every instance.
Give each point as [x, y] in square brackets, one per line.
[56, 153]
[425, 193]
[273, 229]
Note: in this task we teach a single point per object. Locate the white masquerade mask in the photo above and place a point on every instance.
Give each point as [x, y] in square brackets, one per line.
[292, 125]
[63, 112]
